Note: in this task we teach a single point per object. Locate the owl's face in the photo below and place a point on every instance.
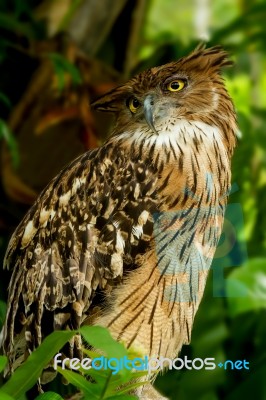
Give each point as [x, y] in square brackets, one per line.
[190, 89]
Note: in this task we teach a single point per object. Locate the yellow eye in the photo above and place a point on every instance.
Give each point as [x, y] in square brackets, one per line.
[176, 85]
[133, 104]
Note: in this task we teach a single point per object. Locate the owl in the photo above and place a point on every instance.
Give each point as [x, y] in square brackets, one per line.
[124, 236]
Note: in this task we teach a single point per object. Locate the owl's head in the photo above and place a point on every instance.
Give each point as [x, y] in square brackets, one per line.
[190, 88]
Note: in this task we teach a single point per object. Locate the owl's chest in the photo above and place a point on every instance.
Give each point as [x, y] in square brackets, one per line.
[191, 172]
[191, 176]
[192, 189]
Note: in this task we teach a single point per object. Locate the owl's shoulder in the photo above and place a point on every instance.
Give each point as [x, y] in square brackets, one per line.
[103, 187]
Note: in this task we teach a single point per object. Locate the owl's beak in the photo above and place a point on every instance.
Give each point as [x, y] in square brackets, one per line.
[148, 105]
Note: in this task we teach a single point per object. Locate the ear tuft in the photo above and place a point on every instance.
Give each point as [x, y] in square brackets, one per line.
[217, 57]
[203, 58]
[111, 101]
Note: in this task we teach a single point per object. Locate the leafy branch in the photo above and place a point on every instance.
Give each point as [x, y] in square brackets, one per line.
[95, 384]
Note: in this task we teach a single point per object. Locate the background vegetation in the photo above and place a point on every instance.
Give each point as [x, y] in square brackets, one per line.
[57, 56]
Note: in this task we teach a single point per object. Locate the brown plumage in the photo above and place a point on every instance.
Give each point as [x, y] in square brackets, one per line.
[124, 236]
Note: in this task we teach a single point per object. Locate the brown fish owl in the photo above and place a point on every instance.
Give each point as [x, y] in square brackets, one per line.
[124, 236]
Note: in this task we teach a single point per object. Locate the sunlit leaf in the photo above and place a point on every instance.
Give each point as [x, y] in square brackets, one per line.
[246, 287]
[91, 353]
[100, 338]
[4, 396]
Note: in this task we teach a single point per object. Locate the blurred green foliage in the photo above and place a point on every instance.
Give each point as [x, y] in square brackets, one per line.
[63, 66]
[232, 326]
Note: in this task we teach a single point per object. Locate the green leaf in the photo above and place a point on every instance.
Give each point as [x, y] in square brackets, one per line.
[11, 23]
[60, 74]
[132, 386]
[118, 380]
[100, 338]
[62, 66]
[7, 135]
[100, 376]
[92, 391]
[2, 312]
[27, 374]
[49, 396]
[4, 396]
[90, 353]
[4, 99]
[246, 287]
[140, 374]
[122, 397]
[3, 362]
